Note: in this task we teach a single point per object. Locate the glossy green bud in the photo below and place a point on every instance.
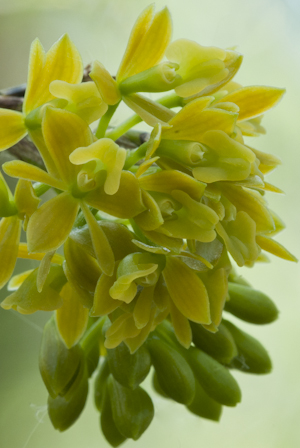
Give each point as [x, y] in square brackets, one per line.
[129, 370]
[174, 375]
[100, 384]
[250, 305]
[215, 379]
[132, 410]
[219, 345]
[59, 366]
[108, 426]
[252, 356]
[63, 413]
[205, 406]
[156, 386]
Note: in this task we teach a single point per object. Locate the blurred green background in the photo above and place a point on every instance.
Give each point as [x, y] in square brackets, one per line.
[267, 33]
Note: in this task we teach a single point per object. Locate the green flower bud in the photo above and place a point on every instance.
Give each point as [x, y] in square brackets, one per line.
[58, 365]
[62, 412]
[204, 406]
[174, 375]
[215, 379]
[219, 345]
[100, 384]
[250, 305]
[182, 151]
[157, 387]
[129, 370]
[132, 410]
[252, 356]
[108, 426]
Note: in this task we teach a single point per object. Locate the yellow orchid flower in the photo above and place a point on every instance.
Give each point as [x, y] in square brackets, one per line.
[61, 62]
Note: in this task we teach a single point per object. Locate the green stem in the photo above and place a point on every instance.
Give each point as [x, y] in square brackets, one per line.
[40, 188]
[93, 333]
[135, 155]
[105, 120]
[169, 101]
[120, 130]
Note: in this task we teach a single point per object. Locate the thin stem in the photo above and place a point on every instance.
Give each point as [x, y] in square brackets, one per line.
[135, 155]
[118, 131]
[40, 188]
[105, 120]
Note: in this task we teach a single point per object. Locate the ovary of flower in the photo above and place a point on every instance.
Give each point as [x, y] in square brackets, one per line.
[112, 158]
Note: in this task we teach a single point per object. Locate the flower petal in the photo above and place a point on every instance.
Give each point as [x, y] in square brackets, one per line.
[181, 326]
[143, 307]
[119, 204]
[187, 291]
[62, 62]
[254, 100]
[106, 85]
[103, 302]
[72, 317]
[12, 128]
[50, 225]
[150, 111]
[23, 170]
[274, 248]
[101, 245]
[195, 119]
[70, 133]
[147, 44]
[10, 231]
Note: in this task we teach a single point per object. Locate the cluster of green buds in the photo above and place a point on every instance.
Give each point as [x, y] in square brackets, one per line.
[137, 247]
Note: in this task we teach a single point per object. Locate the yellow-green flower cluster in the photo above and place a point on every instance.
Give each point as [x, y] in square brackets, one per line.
[149, 235]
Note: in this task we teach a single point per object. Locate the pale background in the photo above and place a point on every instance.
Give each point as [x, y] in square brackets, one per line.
[267, 33]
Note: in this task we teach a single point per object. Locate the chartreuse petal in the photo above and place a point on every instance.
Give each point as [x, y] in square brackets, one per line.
[106, 85]
[198, 66]
[267, 161]
[151, 218]
[43, 270]
[217, 286]
[187, 291]
[110, 154]
[27, 299]
[7, 203]
[142, 308]
[23, 170]
[70, 132]
[103, 302]
[23, 253]
[118, 204]
[121, 329]
[224, 159]
[147, 43]
[101, 245]
[12, 128]
[254, 100]
[274, 248]
[62, 62]
[50, 225]
[181, 326]
[82, 271]
[250, 202]
[239, 238]
[16, 281]
[194, 119]
[83, 99]
[72, 317]
[149, 111]
[232, 64]
[169, 180]
[137, 266]
[10, 230]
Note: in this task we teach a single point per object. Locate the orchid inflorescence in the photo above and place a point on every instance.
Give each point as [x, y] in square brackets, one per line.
[149, 234]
